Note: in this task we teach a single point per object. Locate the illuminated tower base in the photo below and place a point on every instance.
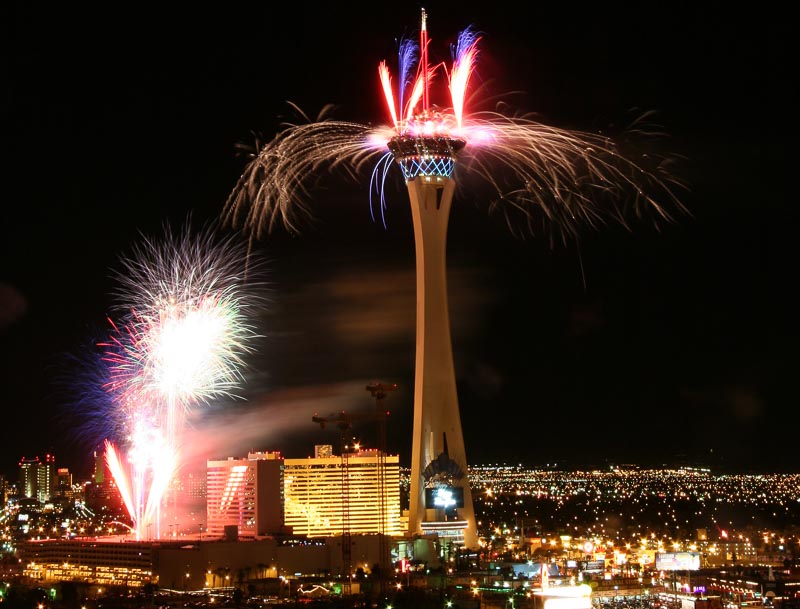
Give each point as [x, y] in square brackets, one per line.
[440, 496]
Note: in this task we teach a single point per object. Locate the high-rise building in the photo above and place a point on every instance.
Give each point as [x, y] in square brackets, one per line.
[105, 497]
[63, 477]
[46, 478]
[317, 496]
[3, 489]
[195, 485]
[326, 494]
[102, 492]
[101, 471]
[28, 477]
[63, 483]
[37, 477]
[246, 494]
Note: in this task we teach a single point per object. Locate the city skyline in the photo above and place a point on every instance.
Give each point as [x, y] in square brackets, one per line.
[681, 335]
[601, 524]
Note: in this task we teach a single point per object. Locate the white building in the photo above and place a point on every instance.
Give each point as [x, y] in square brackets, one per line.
[246, 494]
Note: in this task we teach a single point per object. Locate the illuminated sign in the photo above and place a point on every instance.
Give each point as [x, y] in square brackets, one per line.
[581, 602]
[678, 561]
[566, 597]
[444, 497]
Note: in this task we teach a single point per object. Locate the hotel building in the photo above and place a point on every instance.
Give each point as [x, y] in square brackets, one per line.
[245, 496]
[256, 496]
[326, 494]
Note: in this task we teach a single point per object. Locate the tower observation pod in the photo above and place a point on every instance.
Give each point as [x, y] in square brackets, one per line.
[440, 496]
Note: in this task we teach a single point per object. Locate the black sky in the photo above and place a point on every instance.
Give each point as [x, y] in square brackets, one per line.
[644, 346]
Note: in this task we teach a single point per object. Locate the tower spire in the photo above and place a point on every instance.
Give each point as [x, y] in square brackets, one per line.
[423, 62]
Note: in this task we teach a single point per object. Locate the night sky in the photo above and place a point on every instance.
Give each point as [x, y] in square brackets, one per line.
[654, 345]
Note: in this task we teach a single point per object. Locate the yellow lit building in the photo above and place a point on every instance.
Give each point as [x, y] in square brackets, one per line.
[108, 563]
[319, 500]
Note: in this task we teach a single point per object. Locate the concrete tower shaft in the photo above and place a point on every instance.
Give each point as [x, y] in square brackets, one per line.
[437, 429]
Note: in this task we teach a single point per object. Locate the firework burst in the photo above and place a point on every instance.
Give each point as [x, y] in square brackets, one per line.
[186, 329]
[182, 341]
[554, 179]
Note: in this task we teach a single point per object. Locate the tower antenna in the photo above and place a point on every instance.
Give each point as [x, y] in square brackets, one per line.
[423, 61]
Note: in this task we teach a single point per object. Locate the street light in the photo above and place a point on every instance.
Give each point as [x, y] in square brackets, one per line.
[479, 593]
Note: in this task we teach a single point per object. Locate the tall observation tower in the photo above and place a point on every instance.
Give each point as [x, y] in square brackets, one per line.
[440, 499]
[550, 166]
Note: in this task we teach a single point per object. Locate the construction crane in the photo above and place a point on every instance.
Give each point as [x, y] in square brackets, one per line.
[344, 421]
[379, 392]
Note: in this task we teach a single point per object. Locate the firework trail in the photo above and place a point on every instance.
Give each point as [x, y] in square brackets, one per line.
[182, 341]
[554, 179]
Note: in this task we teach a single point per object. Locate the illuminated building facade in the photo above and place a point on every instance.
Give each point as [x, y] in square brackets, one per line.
[246, 494]
[186, 564]
[101, 472]
[317, 493]
[195, 485]
[28, 472]
[46, 478]
[37, 477]
[97, 562]
[104, 497]
[63, 481]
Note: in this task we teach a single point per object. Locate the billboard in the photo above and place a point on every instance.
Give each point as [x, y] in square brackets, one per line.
[678, 561]
[444, 497]
[594, 566]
